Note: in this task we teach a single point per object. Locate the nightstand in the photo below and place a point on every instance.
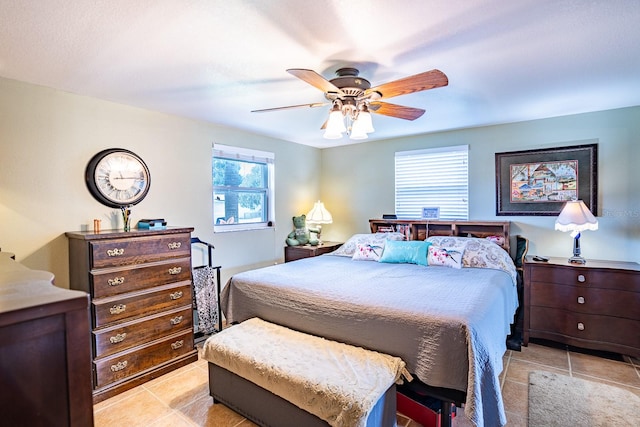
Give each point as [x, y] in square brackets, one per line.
[292, 253]
[592, 305]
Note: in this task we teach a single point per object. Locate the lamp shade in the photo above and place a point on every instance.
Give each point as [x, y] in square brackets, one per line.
[319, 214]
[576, 217]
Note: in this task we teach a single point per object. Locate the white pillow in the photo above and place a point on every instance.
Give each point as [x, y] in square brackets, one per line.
[445, 257]
[368, 252]
[375, 239]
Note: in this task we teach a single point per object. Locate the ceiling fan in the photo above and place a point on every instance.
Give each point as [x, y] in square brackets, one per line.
[353, 99]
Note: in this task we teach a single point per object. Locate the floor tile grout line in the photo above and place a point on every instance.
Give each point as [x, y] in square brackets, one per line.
[636, 367]
[506, 371]
[606, 381]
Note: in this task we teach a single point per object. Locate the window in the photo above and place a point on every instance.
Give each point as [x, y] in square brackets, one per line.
[434, 178]
[242, 188]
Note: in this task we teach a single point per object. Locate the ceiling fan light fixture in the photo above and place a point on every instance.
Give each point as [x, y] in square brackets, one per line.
[357, 132]
[364, 120]
[335, 124]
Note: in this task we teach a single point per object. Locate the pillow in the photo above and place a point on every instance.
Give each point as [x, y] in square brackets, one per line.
[498, 240]
[445, 257]
[367, 252]
[374, 239]
[407, 252]
[478, 253]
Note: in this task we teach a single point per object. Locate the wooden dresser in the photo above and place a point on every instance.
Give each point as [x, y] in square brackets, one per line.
[44, 350]
[141, 303]
[593, 305]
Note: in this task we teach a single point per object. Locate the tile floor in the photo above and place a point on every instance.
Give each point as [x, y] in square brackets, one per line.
[181, 397]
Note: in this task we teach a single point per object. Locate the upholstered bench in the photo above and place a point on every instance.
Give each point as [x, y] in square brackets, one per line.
[279, 377]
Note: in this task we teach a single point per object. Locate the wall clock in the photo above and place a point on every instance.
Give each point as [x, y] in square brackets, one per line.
[117, 177]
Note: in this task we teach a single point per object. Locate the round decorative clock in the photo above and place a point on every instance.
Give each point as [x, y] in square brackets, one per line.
[117, 177]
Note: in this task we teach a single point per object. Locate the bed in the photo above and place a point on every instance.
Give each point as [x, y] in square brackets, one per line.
[448, 324]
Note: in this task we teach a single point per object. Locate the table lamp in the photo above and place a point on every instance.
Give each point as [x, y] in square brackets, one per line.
[576, 217]
[319, 215]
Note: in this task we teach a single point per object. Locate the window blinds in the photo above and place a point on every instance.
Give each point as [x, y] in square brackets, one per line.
[436, 177]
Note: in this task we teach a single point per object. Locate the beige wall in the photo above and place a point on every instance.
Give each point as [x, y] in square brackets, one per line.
[358, 180]
[48, 136]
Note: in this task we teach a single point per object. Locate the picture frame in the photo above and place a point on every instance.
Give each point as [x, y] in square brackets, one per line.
[431, 213]
[539, 182]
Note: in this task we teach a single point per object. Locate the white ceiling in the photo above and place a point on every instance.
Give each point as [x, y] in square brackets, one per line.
[216, 60]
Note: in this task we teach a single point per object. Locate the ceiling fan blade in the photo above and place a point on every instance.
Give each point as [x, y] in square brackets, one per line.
[313, 105]
[315, 80]
[393, 110]
[419, 82]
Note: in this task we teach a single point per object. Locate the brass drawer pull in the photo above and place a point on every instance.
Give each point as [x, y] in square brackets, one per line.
[119, 366]
[115, 252]
[581, 278]
[580, 300]
[175, 270]
[117, 309]
[116, 281]
[176, 320]
[176, 345]
[118, 338]
[176, 295]
[174, 245]
[580, 326]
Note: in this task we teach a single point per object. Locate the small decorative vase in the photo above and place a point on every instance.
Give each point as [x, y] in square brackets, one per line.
[126, 217]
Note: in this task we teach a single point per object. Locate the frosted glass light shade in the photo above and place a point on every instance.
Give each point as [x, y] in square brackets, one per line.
[335, 125]
[364, 120]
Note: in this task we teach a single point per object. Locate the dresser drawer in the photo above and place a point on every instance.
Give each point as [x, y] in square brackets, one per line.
[109, 282]
[112, 310]
[126, 335]
[117, 252]
[587, 327]
[123, 365]
[586, 300]
[587, 277]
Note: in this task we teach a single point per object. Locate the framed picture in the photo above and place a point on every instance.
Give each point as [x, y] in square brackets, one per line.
[539, 182]
[430, 213]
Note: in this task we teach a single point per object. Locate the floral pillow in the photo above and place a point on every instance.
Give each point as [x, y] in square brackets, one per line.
[478, 253]
[375, 239]
[451, 258]
[368, 252]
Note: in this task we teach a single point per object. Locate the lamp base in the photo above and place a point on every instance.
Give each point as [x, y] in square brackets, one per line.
[576, 258]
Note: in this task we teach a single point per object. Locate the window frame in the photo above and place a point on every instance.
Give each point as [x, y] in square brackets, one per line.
[228, 152]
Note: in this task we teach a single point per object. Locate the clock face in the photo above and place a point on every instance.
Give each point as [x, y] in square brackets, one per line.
[117, 177]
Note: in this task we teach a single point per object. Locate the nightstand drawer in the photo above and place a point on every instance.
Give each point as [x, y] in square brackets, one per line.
[112, 310]
[585, 300]
[126, 335]
[124, 365]
[109, 282]
[587, 277]
[586, 327]
[117, 252]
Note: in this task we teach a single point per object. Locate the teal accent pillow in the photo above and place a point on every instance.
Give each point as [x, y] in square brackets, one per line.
[405, 252]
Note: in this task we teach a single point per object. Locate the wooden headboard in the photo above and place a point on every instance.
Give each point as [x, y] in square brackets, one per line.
[421, 229]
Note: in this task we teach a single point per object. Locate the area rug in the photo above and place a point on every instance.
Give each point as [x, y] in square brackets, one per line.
[559, 400]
